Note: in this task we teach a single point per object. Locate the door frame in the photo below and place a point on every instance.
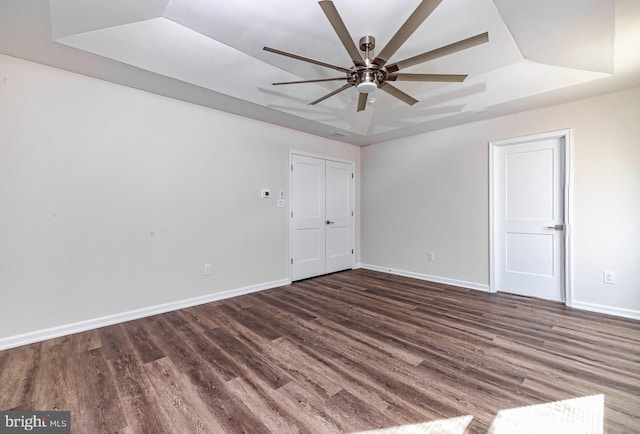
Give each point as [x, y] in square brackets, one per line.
[290, 207]
[565, 134]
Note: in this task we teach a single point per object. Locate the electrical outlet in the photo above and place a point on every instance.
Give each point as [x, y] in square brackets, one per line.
[431, 256]
[609, 277]
[206, 270]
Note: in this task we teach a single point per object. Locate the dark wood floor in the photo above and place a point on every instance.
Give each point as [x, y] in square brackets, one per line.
[352, 351]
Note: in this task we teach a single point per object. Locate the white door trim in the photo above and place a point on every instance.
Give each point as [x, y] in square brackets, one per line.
[568, 263]
[290, 208]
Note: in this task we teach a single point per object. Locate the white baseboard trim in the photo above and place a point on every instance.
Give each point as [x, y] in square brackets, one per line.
[609, 310]
[81, 326]
[420, 276]
[598, 308]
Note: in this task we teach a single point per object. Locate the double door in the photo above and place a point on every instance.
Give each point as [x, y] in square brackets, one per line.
[322, 216]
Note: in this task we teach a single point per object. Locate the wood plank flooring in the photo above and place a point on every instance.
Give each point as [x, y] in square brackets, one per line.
[347, 352]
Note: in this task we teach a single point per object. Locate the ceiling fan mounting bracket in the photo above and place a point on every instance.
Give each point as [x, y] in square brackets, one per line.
[367, 43]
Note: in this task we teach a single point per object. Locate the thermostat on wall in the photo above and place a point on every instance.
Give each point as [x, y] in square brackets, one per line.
[266, 193]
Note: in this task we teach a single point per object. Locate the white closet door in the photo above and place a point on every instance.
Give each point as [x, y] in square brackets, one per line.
[322, 217]
[308, 223]
[339, 216]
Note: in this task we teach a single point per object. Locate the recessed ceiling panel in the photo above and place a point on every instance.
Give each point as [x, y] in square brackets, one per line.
[575, 34]
[69, 17]
[167, 48]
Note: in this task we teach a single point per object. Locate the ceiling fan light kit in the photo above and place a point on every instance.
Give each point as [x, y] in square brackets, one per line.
[366, 86]
[369, 74]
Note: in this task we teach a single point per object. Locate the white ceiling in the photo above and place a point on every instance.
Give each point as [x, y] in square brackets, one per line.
[210, 53]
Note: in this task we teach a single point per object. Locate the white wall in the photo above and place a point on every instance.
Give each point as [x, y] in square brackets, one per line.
[112, 199]
[430, 192]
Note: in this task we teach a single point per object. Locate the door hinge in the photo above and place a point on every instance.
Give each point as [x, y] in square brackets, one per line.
[352, 176]
[291, 214]
[351, 213]
[352, 251]
[291, 261]
[292, 167]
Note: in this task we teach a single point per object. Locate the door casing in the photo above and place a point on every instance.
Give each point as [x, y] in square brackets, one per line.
[493, 186]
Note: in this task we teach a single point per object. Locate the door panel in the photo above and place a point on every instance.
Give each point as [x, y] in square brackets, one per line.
[530, 184]
[530, 254]
[322, 216]
[339, 256]
[529, 202]
[338, 189]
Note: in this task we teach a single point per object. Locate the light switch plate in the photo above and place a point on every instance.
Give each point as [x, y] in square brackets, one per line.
[609, 277]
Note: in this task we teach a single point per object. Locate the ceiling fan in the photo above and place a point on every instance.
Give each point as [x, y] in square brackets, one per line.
[369, 74]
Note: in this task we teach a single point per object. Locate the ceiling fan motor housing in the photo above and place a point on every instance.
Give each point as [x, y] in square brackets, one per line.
[367, 78]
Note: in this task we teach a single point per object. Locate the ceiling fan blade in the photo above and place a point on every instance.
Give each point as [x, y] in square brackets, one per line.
[305, 59]
[445, 78]
[439, 52]
[362, 101]
[309, 81]
[418, 16]
[334, 18]
[394, 91]
[345, 87]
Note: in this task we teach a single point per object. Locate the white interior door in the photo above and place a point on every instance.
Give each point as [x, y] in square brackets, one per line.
[308, 227]
[529, 218]
[339, 216]
[321, 227]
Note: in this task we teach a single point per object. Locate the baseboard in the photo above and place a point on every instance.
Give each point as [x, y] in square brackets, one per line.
[598, 308]
[420, 276]
[68, 329]
[609, 310]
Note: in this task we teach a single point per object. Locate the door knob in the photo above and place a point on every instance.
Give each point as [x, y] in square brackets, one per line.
[556, 227]
[329, 222]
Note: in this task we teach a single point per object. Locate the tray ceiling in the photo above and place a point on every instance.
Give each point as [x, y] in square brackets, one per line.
[210, 53]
